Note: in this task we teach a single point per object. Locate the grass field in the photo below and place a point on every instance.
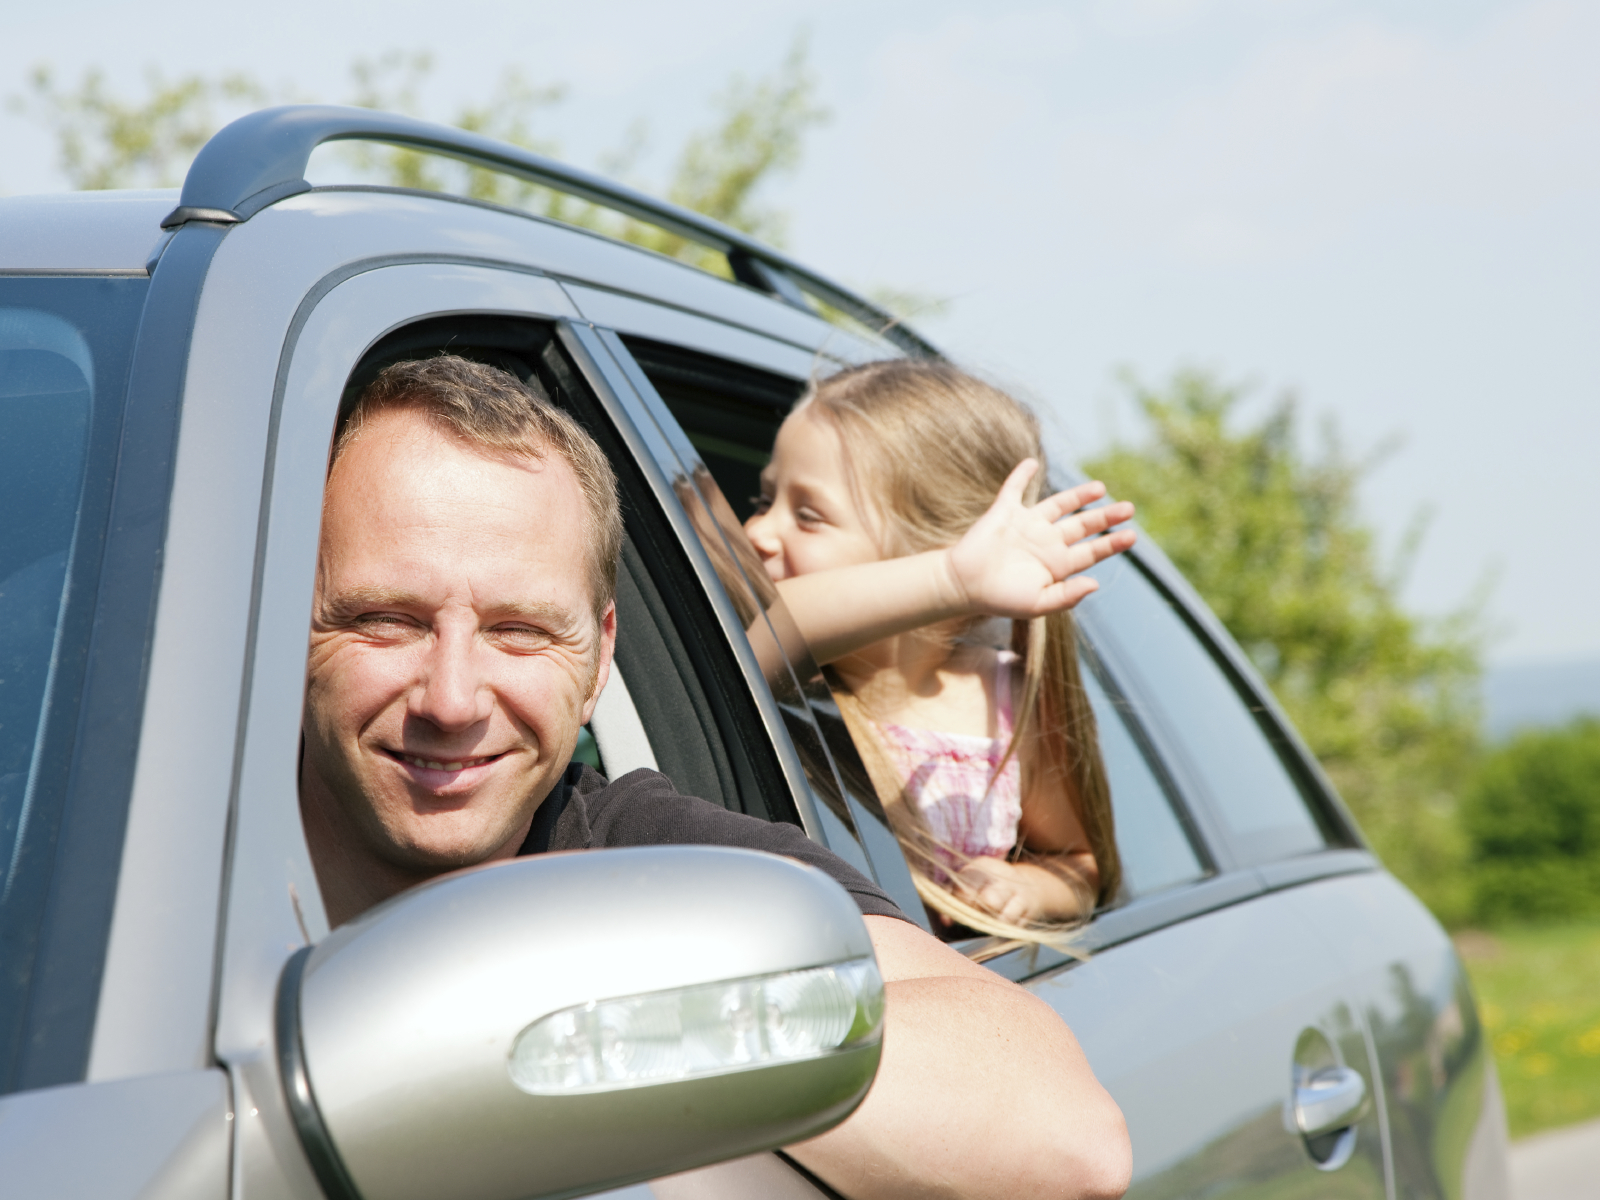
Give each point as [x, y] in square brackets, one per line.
[1538, 988]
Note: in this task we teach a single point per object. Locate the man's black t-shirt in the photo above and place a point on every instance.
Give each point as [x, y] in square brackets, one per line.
[585, 812]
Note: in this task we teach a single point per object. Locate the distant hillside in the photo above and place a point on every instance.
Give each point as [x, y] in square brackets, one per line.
[1519, 695]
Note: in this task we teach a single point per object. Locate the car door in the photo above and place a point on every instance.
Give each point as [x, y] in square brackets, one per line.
[1206, 998]
[689, 696]
[1431, 1078]
[1205, 1019]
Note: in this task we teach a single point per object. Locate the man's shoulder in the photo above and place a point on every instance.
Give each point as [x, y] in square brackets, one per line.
[587, 811]
[644, 808]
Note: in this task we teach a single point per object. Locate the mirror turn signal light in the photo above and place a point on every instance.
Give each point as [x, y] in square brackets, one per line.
[693, 1032]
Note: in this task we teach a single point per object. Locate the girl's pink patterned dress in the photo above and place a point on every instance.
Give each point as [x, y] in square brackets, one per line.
[951, 778]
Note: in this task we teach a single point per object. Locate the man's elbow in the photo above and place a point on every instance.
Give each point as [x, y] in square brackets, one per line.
[1095, 1159]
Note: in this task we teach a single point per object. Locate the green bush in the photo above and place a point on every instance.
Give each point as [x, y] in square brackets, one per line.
[1532, 822]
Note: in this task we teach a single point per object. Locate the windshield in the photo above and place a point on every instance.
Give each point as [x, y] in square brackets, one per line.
[65, 343]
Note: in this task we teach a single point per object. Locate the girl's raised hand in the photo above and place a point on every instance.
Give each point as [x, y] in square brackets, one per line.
[1022, 561]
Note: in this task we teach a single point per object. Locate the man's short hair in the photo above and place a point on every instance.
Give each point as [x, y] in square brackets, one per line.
[492, 411]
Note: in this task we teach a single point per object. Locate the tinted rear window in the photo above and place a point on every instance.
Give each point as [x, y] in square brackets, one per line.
[1217, 729]
[64, 350]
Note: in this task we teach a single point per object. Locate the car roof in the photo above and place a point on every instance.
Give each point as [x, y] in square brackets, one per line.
[92, 232]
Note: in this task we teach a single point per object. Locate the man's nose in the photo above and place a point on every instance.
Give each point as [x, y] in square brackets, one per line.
[454, 691]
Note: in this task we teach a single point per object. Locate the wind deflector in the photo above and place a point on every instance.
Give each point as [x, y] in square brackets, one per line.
[261, 159]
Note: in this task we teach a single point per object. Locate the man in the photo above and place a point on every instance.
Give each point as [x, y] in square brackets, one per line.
[462, 631]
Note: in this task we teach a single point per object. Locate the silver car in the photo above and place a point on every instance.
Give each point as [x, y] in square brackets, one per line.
[1276, 1015]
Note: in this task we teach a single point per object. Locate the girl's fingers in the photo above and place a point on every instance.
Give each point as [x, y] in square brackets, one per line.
[1059, 597]
[1095, 520]
[1101, 548]
[1073, 586]
[1070, 557]
[1070, 501]
[1017, 482]
[1005, 902]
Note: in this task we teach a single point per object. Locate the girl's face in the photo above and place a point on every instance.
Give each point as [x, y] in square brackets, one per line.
[807, 518]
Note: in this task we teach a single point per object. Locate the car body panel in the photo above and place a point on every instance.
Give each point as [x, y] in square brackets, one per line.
[1189, 1012]
[1193, 1029]
[153, 1136]
[88, 232]
[1438, 1075]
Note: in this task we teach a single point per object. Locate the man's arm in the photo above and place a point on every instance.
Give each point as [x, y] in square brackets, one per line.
[982, 1092]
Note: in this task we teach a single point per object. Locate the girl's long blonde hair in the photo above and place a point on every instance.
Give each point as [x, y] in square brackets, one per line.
[927, 447]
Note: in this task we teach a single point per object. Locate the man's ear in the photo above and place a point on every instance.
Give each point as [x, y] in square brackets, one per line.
[608, 646]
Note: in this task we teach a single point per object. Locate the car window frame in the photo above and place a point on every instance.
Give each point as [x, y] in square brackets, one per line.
[858, 835]
[1327, 812]
[1228, 882]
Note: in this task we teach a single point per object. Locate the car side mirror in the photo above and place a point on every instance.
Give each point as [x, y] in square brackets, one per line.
[556, 1025]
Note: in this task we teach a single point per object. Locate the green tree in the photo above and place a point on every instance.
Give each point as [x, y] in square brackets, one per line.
[107, 142]
[510, 113]
[760, 135]
[1532, 819]
[1275, 542]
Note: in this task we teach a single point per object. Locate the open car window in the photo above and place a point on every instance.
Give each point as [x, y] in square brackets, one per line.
[731, 414]
[671, 709]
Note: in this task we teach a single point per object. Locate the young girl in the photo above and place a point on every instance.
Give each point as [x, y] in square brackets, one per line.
[898, 515]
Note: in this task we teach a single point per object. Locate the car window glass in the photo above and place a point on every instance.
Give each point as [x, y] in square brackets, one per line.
[1155, 850]
[1220, 739]
[46, 380]
[64, 348]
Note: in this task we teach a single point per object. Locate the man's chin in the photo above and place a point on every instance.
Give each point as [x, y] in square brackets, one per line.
[429, 856]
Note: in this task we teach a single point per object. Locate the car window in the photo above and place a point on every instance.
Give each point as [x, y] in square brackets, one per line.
[64, 347]
[46, 382]
[1202, 713]
[731, 415]
[729, 412]
[1155, 848]
[697, 732]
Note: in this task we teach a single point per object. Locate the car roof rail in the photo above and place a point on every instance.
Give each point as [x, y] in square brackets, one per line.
[261, 158]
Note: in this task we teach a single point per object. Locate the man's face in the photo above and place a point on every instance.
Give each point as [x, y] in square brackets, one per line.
[454, 648]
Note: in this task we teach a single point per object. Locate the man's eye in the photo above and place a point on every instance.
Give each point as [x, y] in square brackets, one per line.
[520, 635]
[378, 621]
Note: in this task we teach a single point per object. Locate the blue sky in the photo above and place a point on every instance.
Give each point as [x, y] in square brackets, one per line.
[1387, 208]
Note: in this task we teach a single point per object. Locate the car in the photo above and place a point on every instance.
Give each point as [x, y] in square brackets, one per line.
[1274, 1012]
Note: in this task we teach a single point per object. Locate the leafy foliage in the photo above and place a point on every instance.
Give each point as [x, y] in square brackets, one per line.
[1275, 543]
[106, 142]
[394, 82]
[1532, 819]
[762, 129]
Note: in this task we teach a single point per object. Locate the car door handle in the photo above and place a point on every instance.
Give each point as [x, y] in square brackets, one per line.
[1332, 1099]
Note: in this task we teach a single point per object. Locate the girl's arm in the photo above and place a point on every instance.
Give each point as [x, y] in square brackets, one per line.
[1018, 561]
[1058, 880]
[1043, 887]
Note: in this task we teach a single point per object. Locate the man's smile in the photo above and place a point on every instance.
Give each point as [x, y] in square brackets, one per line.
[436, 772]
